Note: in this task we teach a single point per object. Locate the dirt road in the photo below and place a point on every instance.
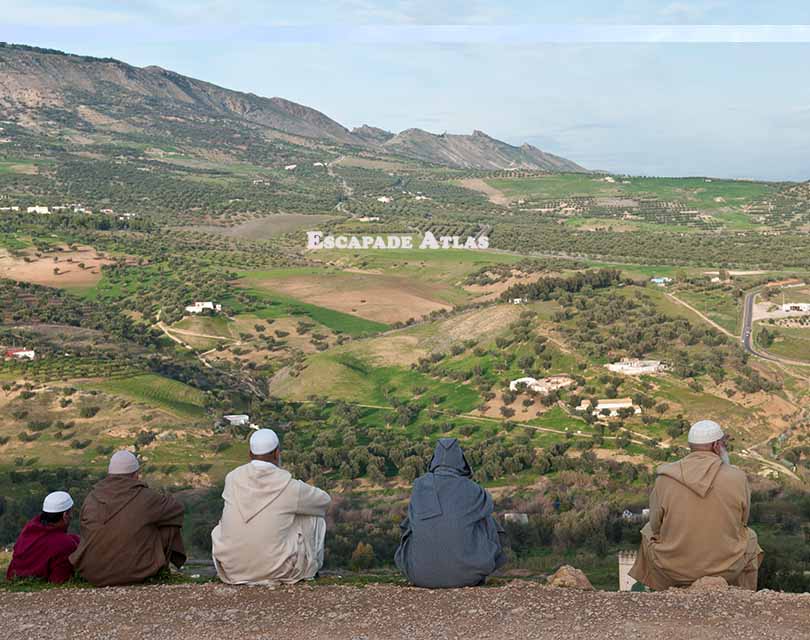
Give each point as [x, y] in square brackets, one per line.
[518, 610]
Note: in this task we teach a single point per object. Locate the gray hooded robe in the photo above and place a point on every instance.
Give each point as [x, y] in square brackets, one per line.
[449, 538]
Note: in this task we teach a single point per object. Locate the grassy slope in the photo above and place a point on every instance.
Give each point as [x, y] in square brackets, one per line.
[177, 398]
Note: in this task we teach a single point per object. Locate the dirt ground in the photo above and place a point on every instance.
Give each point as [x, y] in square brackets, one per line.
[495, 196]
[488, 292]
[380, 298]
[40, 270]
[517, 610]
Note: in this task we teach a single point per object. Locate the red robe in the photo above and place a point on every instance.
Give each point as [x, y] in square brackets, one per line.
[42, 551]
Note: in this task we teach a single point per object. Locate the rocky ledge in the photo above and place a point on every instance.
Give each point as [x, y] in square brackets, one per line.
[518, 610]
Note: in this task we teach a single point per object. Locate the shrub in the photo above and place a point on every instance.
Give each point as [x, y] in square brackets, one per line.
[89, 412]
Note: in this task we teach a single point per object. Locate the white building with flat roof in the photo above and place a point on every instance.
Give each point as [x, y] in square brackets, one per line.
[199, 307]
[636, 367]
[544, 386]
[796, 307]
[612, 406]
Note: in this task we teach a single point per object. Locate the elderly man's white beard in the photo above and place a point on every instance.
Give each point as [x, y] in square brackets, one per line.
[724, 457]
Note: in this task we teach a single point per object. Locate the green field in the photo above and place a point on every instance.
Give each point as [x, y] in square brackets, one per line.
[175, 397]
[693, 191]
[790, 342]
[718, 304]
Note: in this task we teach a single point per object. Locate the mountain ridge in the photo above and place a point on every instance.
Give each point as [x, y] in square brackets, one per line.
[111, 95]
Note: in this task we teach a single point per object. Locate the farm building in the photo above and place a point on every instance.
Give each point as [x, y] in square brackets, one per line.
[38, 209]
[385, 199]
[519, 300]
[629, 516]
[237, 420]
[20, 354]
[634, 367]
[518, 518]
[290, 167]
[543, 386]
[661, 281]
[199, 307]
[611, 405]
[796, 307]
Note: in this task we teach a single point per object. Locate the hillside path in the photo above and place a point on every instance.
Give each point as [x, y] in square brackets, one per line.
[703, 316]
[518, 610]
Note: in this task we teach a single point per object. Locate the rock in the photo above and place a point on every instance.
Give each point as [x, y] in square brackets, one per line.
[709, 583]
[567, 577]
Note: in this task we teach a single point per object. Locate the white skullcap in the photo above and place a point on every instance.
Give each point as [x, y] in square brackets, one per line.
[57, 502]
[263, 441]
[705, 432]
[123, 462]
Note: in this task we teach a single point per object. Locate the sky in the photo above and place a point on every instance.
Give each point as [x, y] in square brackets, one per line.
[703, 87]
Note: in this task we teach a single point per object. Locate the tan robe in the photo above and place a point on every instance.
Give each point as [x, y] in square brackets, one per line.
[272, 528]
[698, 526]
[128, 533]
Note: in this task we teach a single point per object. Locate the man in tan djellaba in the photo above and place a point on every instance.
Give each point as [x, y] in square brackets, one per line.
[699, 519]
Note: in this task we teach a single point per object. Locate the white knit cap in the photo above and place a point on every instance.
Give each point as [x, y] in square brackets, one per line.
[123, 462]
[263, 441]
[57, 502]
[705, 432]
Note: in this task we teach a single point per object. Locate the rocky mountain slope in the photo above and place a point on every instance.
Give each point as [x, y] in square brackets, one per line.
[477, 151]
[50, 91]
[377, 612]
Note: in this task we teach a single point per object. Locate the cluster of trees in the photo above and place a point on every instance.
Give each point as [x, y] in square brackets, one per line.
[553, 287]
[24, 303]
[749, 249]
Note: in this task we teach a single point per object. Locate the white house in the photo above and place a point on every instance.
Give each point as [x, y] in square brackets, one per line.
[519, 518]
[661, 281]
[635, 367]
[519, 300]
[237, 420]
[529, 383]
[385, 199]
[21, 354]
[290, 167]
[38, 209]
[611, 405]
[543, 386]
[199, 307]
[796, 307]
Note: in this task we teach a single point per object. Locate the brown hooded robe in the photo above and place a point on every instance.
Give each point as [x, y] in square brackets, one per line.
[128, 533]
[698, 526]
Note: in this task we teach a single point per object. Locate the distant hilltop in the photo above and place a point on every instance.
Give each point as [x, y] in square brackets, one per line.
[44, 88]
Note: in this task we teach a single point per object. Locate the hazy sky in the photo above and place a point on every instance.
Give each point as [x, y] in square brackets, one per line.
[692, 88]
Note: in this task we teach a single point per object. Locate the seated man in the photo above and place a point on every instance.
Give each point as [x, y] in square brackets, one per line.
[698, 519]
[449, 538]
[44, 545]
[129, 532]
[272, 528]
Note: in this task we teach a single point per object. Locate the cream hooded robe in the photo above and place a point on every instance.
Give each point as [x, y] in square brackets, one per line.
[269, 528]
[698, 525]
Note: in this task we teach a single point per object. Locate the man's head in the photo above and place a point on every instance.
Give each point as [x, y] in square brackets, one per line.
[264, 446]
[56, 509]
[707, 435]
[123, 463]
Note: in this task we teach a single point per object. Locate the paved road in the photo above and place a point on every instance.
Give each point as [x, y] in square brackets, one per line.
[747, 336]
[748, 328]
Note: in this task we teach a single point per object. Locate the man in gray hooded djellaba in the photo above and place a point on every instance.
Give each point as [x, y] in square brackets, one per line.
[449, 538]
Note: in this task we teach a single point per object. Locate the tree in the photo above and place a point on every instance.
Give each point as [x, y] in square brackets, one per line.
[362, 557]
